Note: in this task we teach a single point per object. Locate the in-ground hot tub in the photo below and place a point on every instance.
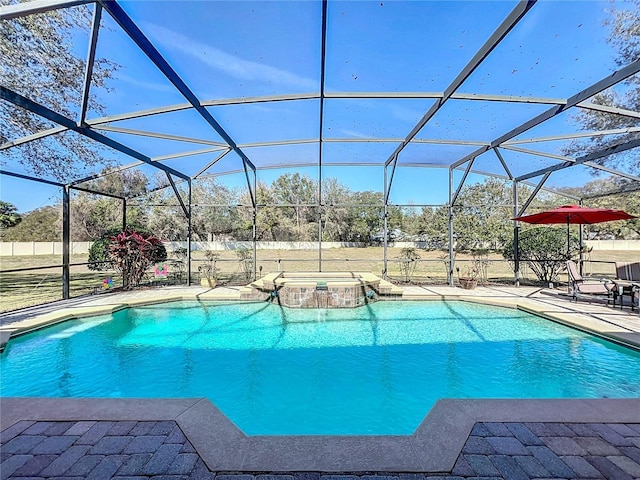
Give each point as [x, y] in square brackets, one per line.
[321, 289]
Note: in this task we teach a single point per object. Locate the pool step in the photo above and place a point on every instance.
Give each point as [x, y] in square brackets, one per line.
[251, 292]
[387, 288]
[257, 289]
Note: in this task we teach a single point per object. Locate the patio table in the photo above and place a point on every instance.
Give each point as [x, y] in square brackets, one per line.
[625, 287]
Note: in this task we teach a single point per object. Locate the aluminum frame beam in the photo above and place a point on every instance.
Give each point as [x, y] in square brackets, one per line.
[533, 193]
[607, 109]
[33, 179]
[573, 161]
[49, 114]
[153, 159]
[112, 171]
[163, 136]
[91, 56]
[452, 199]
[9, 12]
[610, 194]
[32, 137]
[599, 133]
[504, 164]
[94, 192]
[621, 147]
[615, 77]
[212, 163]
[66, 240]
[191, 153]
[178, 196]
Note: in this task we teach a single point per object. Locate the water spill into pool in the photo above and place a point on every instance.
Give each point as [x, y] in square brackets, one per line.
[373, 370]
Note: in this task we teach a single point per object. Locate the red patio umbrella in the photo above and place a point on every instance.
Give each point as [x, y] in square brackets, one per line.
[575, 214]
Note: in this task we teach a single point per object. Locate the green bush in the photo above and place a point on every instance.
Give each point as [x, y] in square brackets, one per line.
[544, 250]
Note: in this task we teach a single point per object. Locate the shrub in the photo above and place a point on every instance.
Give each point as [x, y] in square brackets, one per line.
[132, 253]
[407, 260]
[544, 250]
[245, 257]
[209, 269]
[99, 252]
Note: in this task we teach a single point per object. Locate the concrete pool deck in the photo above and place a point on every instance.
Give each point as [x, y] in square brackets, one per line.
[592, 315]
[104, 438]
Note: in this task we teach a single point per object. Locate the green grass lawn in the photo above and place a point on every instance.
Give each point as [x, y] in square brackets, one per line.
[21, 289]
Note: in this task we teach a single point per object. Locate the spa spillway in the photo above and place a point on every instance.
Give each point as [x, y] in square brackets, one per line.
[322, 289]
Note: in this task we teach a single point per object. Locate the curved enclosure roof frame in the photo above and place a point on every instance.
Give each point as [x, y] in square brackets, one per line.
[463, 86]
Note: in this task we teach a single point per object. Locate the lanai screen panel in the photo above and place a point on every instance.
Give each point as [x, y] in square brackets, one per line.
[136, 82]
[372, 117]
[358, 178]
[300, 154]
[236, 49]
[270, 122]
[46, 89]
[405, 46]
[577, 179]
[420, 186]
[357, 152]
[288, 186]
[556, 50]
[433, 152]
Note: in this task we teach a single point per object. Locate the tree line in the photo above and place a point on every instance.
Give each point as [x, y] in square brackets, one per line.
[288, 210]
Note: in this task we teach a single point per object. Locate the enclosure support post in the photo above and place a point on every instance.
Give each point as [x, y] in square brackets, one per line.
[581, 230]
[189, 232]
[66, 236]
[124, 214]
[320, 212]
[384, 231]
[323, 61]
[580, 238]
[255, 226]
[516, 239]
[450, 273]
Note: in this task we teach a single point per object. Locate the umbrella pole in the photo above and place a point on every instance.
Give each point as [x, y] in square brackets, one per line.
[568, 257]
[581, 249]
[568, 242]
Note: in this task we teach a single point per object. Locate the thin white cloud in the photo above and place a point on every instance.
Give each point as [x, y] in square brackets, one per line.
[158, 87]
[353, 133]
[230, 64]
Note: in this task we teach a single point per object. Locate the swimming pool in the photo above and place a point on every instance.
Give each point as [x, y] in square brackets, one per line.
[373, 370]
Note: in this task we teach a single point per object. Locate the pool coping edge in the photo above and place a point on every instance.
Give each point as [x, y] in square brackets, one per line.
[433, 447]
[571, 318]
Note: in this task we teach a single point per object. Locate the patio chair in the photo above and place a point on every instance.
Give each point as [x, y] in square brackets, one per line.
[587, 286]
[629, 271]
[627, 282]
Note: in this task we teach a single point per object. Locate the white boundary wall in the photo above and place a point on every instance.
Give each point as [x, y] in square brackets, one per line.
[613, 244]
[9, 249]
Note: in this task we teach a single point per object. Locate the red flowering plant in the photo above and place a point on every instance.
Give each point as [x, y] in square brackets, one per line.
[132, 253]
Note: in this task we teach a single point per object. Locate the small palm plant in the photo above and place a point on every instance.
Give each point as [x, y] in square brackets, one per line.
[209, 271]
[408, 261]
[245, 257]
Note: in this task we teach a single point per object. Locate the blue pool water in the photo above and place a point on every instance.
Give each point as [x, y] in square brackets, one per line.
[371, 370]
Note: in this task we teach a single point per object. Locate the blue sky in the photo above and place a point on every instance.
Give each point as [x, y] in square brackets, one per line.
[236, 49]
